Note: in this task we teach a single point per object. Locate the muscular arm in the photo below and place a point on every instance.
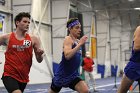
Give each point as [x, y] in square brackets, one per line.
[68, 51]
[137, 39]
[38, 51]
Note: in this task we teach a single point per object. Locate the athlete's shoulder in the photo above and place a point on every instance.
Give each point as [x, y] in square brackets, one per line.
[32, 36]
[137, 31]
[35, 39]
[138, 27]
[68, 39]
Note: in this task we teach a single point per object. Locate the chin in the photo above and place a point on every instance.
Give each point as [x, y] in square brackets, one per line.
[26, 30]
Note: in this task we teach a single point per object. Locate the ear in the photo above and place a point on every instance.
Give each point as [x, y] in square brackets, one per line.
[17, 22]
[69, 29]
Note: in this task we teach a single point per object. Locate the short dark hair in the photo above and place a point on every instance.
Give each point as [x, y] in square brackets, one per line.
[71, 20]
[21, 15]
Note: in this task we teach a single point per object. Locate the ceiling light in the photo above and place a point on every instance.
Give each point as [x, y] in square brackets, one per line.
[130, 0]
[138, 8]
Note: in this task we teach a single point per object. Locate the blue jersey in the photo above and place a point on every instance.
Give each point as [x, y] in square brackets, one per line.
[67, 70]
[135, 56]
[132, 69]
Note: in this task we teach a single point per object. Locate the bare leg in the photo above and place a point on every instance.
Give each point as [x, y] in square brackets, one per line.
[81, 87]
[125, 84]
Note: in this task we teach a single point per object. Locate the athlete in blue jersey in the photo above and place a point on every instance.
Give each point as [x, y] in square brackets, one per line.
[67, 74]
[132, 69]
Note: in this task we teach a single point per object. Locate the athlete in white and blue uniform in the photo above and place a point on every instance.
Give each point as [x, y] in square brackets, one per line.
[132, 69]
[67, 73]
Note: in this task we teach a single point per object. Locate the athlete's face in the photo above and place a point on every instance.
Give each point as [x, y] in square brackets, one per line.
[23, 25]
[76, 31]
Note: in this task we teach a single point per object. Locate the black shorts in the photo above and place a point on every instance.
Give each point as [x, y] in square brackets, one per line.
[12, 84]
[71, 85]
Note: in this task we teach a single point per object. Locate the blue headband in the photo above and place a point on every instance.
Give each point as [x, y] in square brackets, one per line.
[76, 22]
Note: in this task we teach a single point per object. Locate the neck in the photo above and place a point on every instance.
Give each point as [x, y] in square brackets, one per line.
[20, 35]
[73, 38]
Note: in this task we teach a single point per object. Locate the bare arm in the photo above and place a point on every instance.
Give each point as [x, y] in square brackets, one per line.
[68, 51]
[137, 39]
[4, 39]
[38, 51]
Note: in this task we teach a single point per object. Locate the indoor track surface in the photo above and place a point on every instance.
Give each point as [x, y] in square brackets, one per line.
[104, 85]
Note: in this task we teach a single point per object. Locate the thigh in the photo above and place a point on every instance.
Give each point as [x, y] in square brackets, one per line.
[79, 85]
[125, 84]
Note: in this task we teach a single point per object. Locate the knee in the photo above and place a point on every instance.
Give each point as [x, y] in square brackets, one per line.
[85, 90]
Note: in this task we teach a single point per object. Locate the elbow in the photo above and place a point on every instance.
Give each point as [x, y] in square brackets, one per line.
[67, 57]
[136, 48]
[39, 59]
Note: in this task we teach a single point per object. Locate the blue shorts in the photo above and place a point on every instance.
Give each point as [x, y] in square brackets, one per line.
[132, 70]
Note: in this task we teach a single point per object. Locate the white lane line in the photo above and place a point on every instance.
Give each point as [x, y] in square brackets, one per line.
[107, 85]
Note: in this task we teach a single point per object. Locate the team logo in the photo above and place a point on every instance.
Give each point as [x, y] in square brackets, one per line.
[26, 44]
